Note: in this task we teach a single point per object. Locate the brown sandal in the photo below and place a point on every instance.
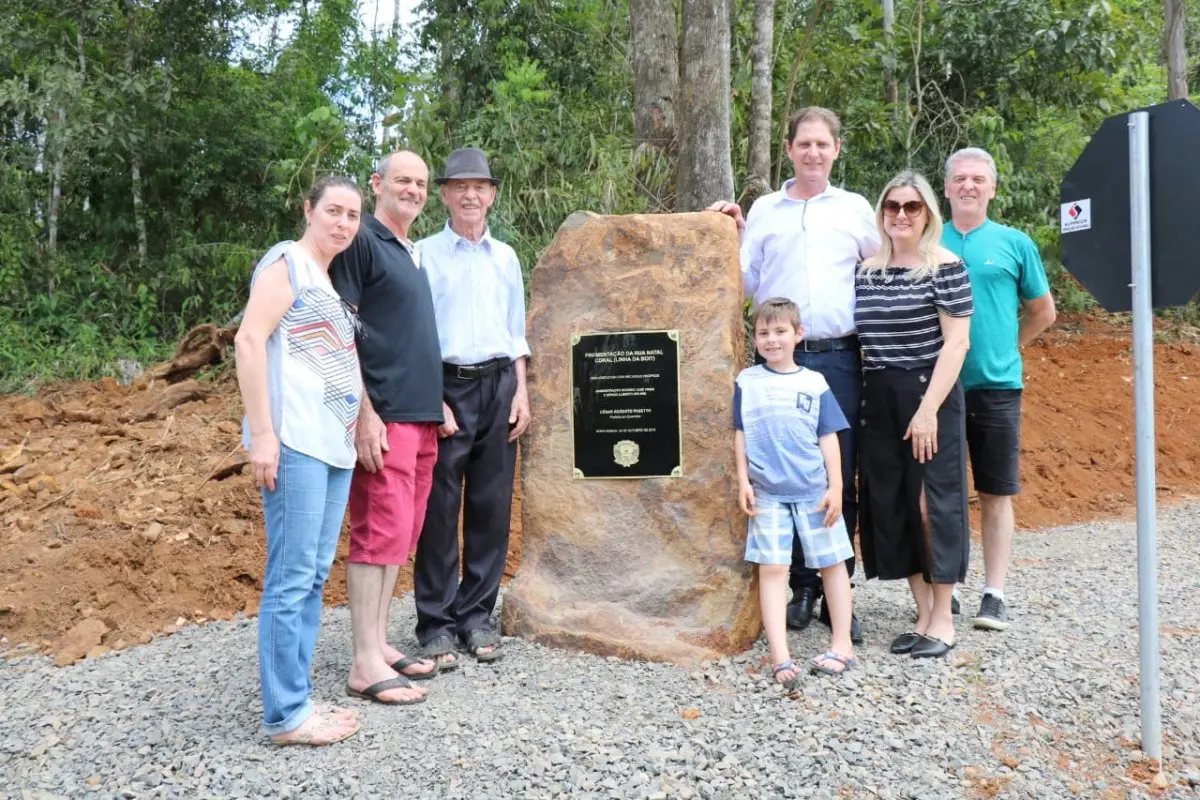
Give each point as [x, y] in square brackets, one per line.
[329, 709]
[319, 729]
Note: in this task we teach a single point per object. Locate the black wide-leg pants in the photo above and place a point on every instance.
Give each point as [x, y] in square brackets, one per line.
[895, 541]
[475, 467]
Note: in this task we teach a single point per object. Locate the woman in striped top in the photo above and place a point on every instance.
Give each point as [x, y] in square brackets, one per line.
[913, 307]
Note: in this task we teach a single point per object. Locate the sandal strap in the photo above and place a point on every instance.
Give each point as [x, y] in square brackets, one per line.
[830, 655]
[321, 722]
[784, 667]
[439, 646]
[482, 637]
[399, 682]
[405, 663]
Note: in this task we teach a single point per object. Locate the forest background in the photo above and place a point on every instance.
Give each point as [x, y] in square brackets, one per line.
[151, 150]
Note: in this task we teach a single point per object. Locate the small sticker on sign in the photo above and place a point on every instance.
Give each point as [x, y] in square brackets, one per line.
[1076, 216]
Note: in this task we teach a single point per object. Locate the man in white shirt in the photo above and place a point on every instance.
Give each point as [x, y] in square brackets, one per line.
[803, 243]
[479, 304]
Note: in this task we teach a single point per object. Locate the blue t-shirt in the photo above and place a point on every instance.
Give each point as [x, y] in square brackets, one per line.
[783, 415]
[1005, 268]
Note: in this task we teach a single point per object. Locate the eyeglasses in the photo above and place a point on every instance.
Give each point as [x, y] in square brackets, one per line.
[911, 208]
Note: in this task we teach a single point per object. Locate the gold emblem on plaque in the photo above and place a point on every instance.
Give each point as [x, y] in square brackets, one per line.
[626, 453]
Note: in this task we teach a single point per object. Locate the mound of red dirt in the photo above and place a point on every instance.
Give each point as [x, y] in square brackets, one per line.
[125, 511]
[1077, 431]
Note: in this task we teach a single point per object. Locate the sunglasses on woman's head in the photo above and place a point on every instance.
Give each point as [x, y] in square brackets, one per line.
[911, 207]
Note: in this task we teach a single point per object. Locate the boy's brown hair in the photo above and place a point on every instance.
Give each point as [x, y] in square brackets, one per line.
[777, 308]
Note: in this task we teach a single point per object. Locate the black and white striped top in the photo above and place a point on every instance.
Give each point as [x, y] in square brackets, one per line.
[897, 319]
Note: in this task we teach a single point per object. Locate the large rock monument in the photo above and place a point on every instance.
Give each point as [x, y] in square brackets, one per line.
[633, 541]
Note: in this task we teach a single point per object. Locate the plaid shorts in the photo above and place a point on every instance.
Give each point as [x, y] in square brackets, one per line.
[771, 529]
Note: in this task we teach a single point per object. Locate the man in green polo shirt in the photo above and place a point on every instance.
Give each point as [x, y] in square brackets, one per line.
[1013, 305]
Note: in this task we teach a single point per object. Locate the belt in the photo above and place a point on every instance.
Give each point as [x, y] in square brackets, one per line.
[469, 372]
[828, 345]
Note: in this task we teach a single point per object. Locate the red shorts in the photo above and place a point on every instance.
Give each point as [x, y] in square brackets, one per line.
[387, 508]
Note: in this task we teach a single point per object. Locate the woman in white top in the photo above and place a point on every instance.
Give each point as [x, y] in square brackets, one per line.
[298, 371]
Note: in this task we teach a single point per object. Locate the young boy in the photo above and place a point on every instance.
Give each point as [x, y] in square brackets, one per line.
[789, 472]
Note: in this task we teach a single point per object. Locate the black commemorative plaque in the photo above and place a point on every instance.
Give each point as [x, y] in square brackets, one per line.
[625, 404]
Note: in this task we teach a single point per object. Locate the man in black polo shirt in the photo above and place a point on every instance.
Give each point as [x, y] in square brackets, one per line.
[380, 277]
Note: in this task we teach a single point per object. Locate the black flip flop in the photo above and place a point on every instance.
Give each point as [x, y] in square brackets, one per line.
[373, 691]
[441, 646]
[409, 661]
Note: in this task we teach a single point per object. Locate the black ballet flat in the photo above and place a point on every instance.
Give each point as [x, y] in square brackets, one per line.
[905, 642]
[931, 647]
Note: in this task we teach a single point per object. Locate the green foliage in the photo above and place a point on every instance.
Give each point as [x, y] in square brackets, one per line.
[227, 135]
[51, 339]
[231, 109]
[553, 110]
[1028, 80]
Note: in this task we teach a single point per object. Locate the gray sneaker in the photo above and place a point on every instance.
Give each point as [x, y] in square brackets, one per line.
[993, 614]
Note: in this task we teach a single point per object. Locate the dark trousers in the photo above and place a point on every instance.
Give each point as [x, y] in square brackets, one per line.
[842, 370]
[896, 541]
[474, 465]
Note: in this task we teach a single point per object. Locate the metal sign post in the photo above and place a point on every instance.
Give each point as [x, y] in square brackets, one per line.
[1098, 250]
[1143, 415]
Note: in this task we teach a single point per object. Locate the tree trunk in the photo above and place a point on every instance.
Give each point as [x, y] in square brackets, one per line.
[705, 168]
[653, 45]
[396, 21]
[135, 153]
[43, 145]
[818, 7]
[139, 215]
[1176, 42]
[82, 55]
[86, 205]
[891, 95]
[19, 119]
[60, 151]
[758, 158]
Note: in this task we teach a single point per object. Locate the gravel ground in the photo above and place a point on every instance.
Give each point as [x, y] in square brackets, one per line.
[1048, 709]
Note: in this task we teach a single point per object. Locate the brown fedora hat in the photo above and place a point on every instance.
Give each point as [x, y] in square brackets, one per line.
[467, 163]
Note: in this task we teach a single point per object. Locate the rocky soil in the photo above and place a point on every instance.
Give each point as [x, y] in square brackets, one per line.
[1048, 709]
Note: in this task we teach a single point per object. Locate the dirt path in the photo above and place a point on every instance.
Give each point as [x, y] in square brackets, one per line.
[124, 511]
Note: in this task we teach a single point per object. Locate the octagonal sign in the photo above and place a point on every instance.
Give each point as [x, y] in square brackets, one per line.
[1094, 211]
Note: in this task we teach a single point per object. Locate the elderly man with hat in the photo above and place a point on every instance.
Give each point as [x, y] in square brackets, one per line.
[479, 303]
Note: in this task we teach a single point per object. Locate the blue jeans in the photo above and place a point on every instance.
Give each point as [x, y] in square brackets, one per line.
[303, 520]
[842, 370]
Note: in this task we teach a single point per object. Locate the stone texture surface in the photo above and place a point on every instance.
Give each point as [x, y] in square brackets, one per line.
[649, 568]
[79, 641]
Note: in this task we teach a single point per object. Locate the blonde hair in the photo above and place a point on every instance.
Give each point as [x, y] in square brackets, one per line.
[931, 237]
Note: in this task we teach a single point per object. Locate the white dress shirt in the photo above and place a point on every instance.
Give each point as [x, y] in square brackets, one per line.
[478, 297]
[806, 251]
